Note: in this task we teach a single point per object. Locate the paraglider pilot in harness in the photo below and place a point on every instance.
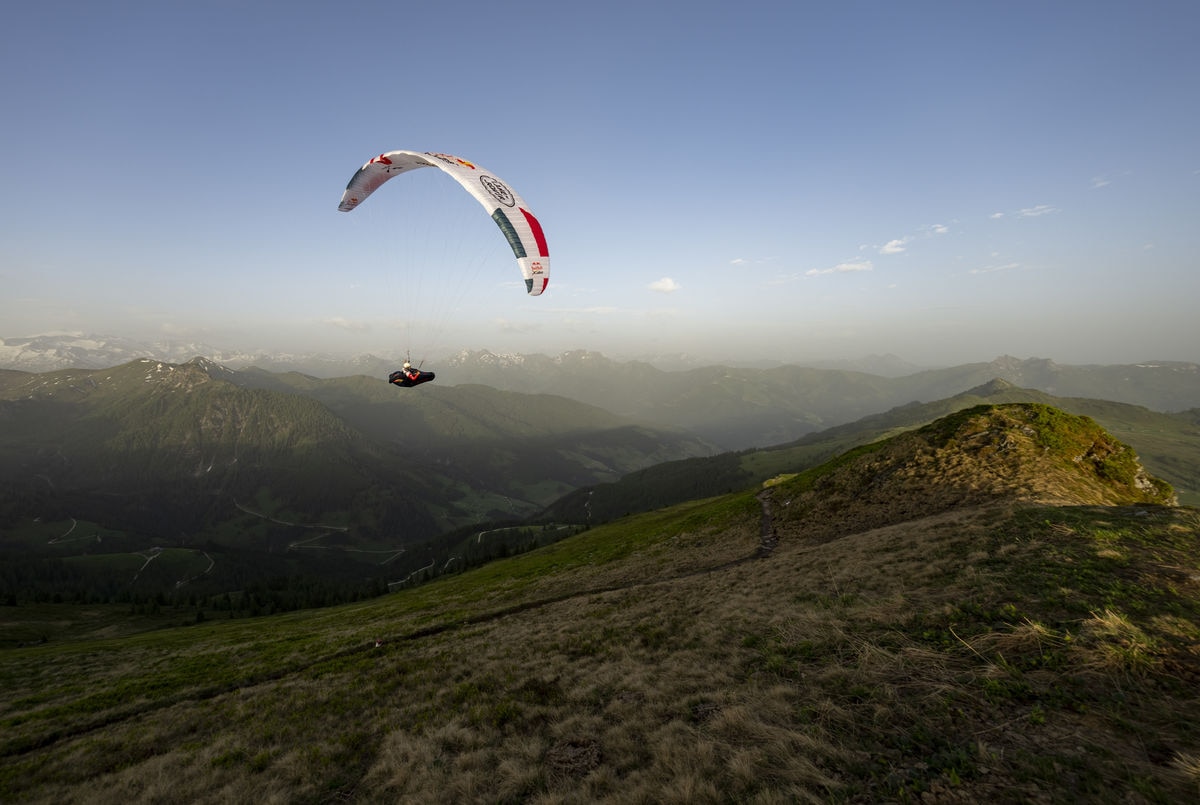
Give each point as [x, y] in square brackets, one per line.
[520, 227]
[409, 376]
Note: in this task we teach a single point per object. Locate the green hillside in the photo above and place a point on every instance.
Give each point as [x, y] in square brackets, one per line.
[1168, 444]
[996, 606]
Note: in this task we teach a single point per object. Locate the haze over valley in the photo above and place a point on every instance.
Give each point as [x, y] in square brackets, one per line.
[348, 477]
[807, 404]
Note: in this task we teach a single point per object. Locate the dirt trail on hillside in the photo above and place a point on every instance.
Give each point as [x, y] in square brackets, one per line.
[767, 536]
[768, 540]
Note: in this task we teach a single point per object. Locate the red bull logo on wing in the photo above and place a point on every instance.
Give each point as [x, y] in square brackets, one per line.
[453, 160]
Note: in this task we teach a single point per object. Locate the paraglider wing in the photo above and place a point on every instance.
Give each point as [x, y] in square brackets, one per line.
[510, 212]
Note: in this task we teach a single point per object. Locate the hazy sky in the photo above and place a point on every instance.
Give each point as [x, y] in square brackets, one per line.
[946, 181]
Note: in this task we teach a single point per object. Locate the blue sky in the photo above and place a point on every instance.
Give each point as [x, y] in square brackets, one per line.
[945, 181]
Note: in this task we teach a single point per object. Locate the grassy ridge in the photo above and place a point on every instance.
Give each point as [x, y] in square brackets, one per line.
[1168, 444]
[1003, 648]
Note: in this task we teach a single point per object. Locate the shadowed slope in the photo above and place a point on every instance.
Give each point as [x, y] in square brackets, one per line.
[979, 644]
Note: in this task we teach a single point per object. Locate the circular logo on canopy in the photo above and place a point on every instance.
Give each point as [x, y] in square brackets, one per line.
[499, 190]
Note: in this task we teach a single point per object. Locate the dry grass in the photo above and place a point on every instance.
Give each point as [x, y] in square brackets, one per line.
[992, 652]
[796, 678]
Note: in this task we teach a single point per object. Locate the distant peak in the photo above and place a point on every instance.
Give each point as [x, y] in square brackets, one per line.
[996, 385]
[1008, 362]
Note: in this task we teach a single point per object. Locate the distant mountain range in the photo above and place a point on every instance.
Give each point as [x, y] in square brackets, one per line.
[151, 452]
[251, 475]
[1168, 445]
[737, 408]
[45, 353]
[730, 407]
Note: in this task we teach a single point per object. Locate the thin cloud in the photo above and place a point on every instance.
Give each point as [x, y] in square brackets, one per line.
[850, 266]
[1027, 212]
[1100, 181]
[1039, 210]
[900, 245]
[993, 269]
[664, 285]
